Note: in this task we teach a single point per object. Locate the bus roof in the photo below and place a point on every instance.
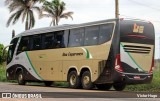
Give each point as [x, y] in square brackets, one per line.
[61, 27]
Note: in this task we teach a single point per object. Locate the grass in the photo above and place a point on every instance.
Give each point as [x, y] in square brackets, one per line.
[153, 87]
[2, 73]
[61, 84]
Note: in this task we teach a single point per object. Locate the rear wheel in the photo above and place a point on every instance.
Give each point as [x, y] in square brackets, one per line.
[20, 78]
[74, 80]
[119, 86]
[104, 86]
[86, 80]
[48, 83]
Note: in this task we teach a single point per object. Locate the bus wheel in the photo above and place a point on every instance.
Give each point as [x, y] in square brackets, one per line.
[20, 78]
[119, 86]
[48, 83]
[104, 86]
[86, 80]
[74, 80]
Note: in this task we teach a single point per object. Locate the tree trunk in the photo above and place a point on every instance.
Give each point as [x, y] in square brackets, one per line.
[26, 26]
[57, 21]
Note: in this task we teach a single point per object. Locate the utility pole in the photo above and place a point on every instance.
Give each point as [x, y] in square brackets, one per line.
[13, 33]
[116, 9]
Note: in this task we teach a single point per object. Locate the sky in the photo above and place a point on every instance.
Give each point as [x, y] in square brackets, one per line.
[91, 10]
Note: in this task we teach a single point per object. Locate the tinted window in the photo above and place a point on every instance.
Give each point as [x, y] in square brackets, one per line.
[137, 32]
[65, 37]
[91, 35]
[76, 37]
[37, 42]
[24, 45]
[48, 41]
[59, 39]
[11, 49]
[105, 33]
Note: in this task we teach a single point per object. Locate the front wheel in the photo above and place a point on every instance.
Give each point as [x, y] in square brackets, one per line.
[86, 80]
[104, 86]
[20, 78]
[119, 86]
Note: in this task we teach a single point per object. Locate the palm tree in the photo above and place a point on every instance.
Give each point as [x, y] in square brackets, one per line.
[55, 11]
[23, 9]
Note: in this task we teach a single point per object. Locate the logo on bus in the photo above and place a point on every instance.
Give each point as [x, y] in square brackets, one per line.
[138, 29]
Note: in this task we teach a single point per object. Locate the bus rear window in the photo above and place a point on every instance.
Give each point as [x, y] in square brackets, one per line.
[136, 32]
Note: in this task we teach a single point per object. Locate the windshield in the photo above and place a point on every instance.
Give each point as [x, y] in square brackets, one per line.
[11, 50]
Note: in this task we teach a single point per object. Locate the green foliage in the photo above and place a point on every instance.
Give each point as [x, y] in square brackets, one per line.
[2, 73]
[61, 84]
[22, 9]
[3, 56]
[55, 10]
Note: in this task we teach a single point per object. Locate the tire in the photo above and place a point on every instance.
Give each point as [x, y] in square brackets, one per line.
[104, 86]
[74, 80]
[20, 78]
[48, 83]
[119, 86]
[86, 80]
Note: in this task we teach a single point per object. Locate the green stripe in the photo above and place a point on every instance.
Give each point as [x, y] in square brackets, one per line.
[32, 65]
[87, 54]
[133, 59]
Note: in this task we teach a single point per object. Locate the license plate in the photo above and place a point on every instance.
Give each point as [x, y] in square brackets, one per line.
[137, 77]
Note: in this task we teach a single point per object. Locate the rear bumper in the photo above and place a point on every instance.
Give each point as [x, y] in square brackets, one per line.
[129, 78]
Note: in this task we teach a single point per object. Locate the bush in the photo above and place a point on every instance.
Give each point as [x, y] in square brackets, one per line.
[2, 56]
[2, 73]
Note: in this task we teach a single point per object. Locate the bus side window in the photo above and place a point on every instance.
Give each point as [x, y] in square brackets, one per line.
[105, 33]
[91, 35]
[76, 37]
[59, 39]
[48, 41]
[37, 42]
[24, 45]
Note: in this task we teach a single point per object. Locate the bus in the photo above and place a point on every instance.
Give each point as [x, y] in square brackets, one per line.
[103, 54]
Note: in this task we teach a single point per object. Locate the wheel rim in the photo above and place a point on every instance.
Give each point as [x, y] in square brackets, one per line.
[86, 80]
[73, 79]
[20, 77]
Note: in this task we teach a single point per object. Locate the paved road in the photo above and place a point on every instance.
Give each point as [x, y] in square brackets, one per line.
[66, 94]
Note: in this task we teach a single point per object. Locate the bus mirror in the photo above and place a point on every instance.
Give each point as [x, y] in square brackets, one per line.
[3, 52]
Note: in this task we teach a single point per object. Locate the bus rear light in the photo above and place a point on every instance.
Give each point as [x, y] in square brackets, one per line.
[152, 66]
[118, 66]
[137, 36]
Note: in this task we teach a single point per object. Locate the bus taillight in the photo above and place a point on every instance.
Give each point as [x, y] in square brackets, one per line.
[118, 66]
[152, 67]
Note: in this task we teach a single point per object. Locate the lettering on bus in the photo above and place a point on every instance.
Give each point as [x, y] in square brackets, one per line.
[72, 54]
[138, 29]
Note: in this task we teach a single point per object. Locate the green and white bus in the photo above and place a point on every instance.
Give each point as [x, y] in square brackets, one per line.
[105, 53]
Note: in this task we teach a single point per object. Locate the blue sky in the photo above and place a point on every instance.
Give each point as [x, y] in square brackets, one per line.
[91, 10]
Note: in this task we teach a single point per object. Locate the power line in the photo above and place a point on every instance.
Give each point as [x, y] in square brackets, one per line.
[142, 4]
[138, 18]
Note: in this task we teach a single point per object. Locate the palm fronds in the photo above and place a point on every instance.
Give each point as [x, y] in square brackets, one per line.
[55, 10]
